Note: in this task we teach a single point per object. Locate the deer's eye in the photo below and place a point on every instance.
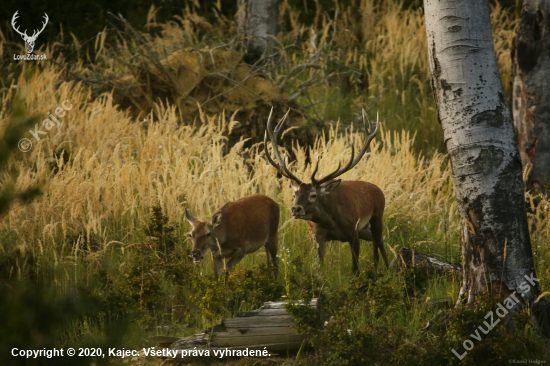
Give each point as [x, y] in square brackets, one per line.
[190, 235]
[313, 196]
[207, 234]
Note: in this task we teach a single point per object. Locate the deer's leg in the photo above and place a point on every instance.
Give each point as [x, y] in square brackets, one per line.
[267, 255]
[321, 239]
[217, 263]
[365, 233]
[238, 255]
[378, 241]
[355, 246]
[271, 251]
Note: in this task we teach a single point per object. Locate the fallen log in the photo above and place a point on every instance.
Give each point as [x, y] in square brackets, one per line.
[445, 302]
[408, 258]
[269, 329]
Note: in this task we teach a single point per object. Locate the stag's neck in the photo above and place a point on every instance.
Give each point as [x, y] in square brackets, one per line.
[323, 214]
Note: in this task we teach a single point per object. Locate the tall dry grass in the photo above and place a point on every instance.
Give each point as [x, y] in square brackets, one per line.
[371, 54]
[118, 169]
[386, 42]
[102, 170]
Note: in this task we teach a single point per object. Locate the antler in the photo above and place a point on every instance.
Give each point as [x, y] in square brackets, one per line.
[352, 162]
[15, 16]
[273, 135]
[34, 35]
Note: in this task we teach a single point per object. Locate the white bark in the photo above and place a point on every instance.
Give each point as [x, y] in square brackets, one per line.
[531, 90]
[480, 139]
[258, 19]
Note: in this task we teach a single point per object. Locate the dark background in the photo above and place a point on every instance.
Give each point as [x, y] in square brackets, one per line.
[85, 18]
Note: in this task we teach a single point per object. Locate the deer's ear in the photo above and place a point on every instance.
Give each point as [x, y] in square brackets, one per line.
[216, 219]
[190, 217]
[329, 187]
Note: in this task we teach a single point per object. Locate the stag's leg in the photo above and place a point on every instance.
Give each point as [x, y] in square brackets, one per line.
[355, 246]
[378, 241]
[321, 239]
[365, 234]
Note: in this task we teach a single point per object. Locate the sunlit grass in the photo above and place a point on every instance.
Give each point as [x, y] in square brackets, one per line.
[98, 195]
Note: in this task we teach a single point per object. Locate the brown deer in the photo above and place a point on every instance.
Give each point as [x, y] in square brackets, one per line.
[336, 209]
[238, 228]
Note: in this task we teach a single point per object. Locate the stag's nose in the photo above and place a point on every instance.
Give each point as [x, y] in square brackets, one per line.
[196, 254]
[297, 210]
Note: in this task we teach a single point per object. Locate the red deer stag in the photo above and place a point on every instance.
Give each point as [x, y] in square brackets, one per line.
[238, 228]
[336, 209]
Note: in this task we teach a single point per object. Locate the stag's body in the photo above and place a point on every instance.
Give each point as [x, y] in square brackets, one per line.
[344, 215]
[336, 209]
[238, 228]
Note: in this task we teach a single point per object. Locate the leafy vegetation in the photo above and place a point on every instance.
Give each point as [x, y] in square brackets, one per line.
[103, 249]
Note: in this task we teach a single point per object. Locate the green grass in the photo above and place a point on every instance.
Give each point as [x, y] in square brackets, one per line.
[101, 258]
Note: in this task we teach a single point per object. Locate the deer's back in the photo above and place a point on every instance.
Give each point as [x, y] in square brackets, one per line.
[249, 219]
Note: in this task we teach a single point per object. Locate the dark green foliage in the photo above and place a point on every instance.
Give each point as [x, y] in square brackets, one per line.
[361, 327]
[160, 232]
[417, 281]
[247, 289]
[252, 287]
[18, 125]
[141, 287]
[362, 345]
[307, 318]
[371, 291]
[137, 292]
[15, 263]
[34, 315]
[501, 344]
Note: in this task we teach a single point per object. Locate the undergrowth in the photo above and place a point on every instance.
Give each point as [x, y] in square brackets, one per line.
[94, 251]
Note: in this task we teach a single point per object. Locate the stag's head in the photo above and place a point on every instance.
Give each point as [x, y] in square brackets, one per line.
[201, 235]
[307, 195]
[29, 40]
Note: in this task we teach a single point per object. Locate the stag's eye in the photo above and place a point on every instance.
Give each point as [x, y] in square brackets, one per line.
[313, 196]
[207, 234]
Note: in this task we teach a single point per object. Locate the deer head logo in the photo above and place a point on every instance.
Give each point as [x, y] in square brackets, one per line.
[29, 40]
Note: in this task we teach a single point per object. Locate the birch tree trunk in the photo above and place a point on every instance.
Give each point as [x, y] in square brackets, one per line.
[531, 90]
[258, 20]
[479, 135]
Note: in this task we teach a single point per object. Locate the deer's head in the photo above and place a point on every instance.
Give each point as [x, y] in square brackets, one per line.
[307, 195]
[29, 40]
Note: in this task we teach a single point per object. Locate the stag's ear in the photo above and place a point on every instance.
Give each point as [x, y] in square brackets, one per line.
[329, 187]
[190, 217]
[216, 219]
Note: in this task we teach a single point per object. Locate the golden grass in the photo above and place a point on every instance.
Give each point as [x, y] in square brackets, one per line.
[119, 168]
